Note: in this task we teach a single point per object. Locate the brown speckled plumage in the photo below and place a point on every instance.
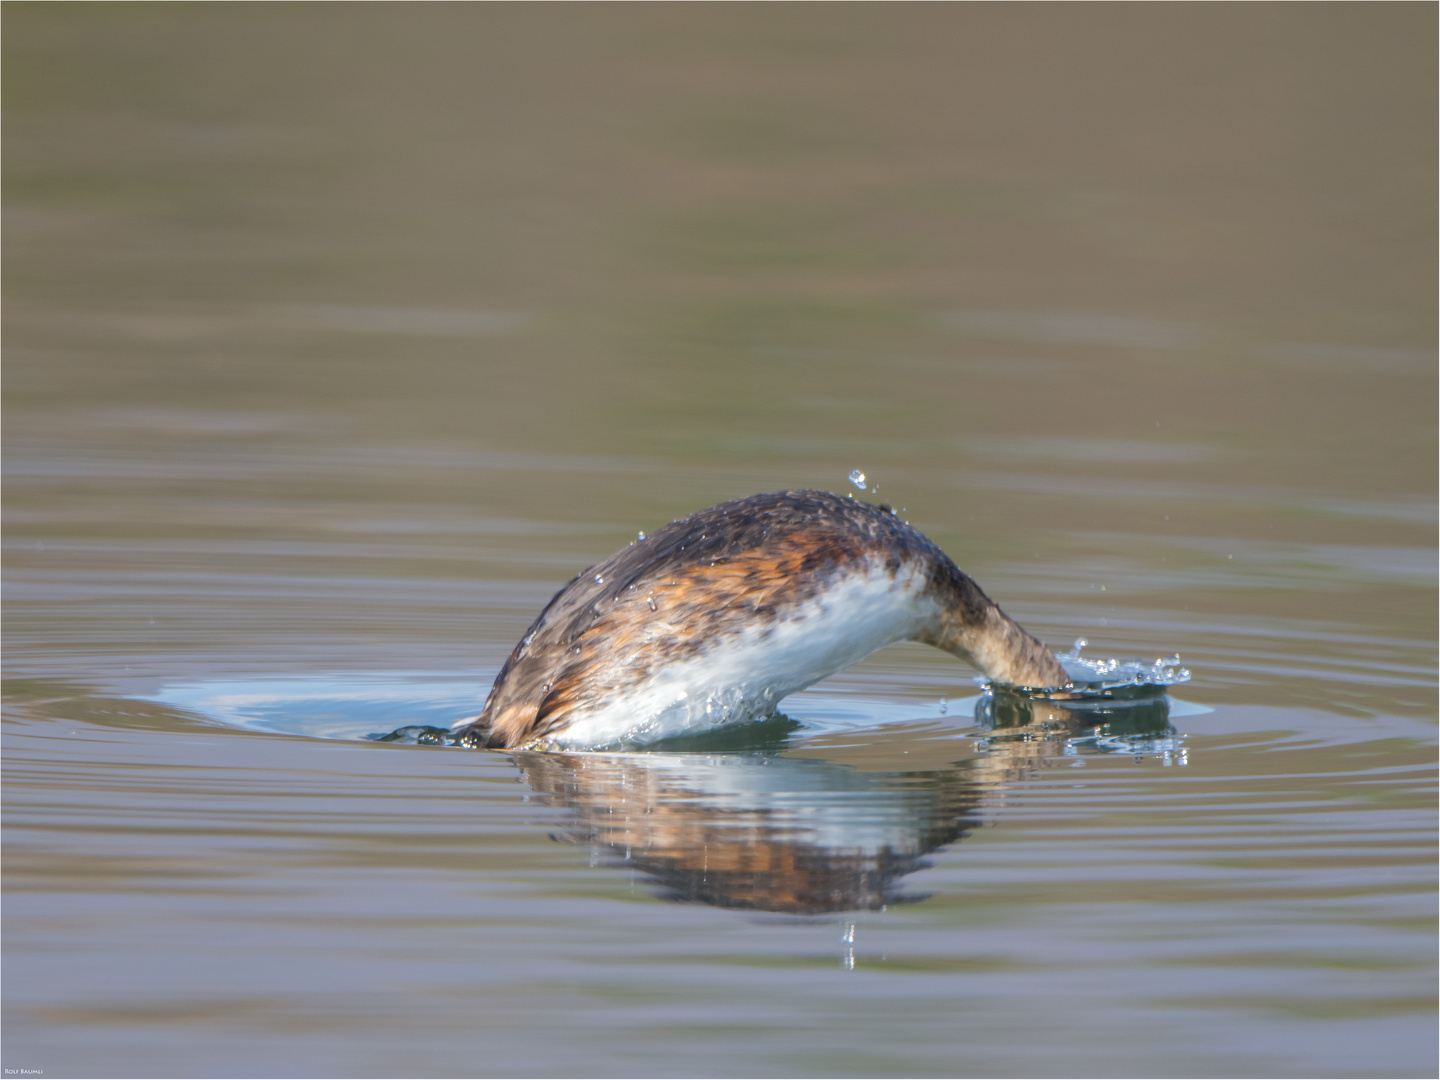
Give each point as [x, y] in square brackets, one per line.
[742, 565]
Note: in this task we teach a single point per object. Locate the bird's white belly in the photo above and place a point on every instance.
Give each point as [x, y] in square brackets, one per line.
[745, 674]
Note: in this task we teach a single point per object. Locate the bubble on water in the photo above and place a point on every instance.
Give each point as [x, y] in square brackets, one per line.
[857, 478]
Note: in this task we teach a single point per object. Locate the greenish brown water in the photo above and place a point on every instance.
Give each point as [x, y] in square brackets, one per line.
[336, 339]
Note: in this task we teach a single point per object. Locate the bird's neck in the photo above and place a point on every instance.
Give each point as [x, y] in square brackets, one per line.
[971, 626]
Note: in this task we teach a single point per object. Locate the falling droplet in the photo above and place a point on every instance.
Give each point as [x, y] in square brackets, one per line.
[857, 478]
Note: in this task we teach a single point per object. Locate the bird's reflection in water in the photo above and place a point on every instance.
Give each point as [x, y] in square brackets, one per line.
[737, 823]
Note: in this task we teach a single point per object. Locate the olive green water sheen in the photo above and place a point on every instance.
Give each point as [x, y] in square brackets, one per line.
[337, 338]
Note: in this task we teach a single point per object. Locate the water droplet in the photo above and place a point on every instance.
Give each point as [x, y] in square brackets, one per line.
[847, 933]
[642, 534]
[651, 601]
[857, 478]
[599, 580]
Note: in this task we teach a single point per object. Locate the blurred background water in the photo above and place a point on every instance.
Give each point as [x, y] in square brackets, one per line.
[337, 338]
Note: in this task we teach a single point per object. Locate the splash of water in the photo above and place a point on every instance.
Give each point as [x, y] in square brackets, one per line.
[1113, 671]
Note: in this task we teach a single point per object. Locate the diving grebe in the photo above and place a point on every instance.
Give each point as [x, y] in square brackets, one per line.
[718, 616]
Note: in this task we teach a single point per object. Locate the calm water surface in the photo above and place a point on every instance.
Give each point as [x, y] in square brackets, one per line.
[334, 344]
